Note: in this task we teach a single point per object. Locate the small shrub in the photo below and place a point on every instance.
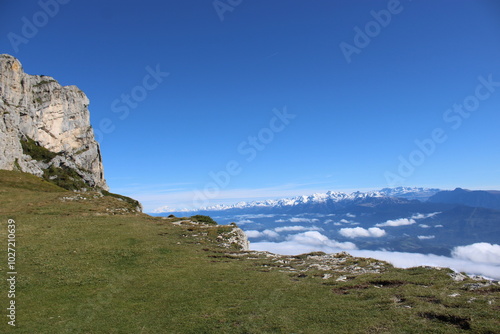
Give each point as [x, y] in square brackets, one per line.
[16, 165]
[83, 150]
[37, 152]
[204, 219]
[126, 199]
[43, 82]
[306, 255]
[64, 177]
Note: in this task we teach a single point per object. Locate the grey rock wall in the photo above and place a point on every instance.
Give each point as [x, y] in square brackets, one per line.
[55, 117]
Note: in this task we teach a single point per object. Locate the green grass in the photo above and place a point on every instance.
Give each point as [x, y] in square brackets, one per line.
[86, 267]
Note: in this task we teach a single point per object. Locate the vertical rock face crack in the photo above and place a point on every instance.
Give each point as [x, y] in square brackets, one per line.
[55, 117]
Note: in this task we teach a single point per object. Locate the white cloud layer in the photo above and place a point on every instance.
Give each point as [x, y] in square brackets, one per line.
[426, 237]
[316, 238]
[485, 261]
[397, 222]
[372, 232]
[303, 243]
[296, 228]
[303, 220]
[479, 252]
[256, 216]
[408, 260]
[244, 221]
[424, 215]
[163, 209]
[274, 233]
[408, 221]
[261, 234]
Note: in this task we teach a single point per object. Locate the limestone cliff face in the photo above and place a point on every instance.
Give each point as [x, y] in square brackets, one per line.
[56, 118]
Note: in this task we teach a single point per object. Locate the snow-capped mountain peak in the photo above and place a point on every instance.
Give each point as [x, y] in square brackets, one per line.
[330, 196]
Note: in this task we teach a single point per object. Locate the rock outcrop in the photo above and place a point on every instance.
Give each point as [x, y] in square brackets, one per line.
[235, 238]
[37, 112]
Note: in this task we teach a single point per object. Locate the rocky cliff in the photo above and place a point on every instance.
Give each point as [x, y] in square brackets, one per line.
[45, 128]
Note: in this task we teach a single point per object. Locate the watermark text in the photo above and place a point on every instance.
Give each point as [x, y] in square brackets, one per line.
[129, 101]
[31, 26]
[454, 118]
[249, 149]
[223, 6]
[373, 28]
[11, 272]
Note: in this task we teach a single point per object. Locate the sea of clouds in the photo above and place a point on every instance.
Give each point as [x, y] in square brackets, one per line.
[477, 259]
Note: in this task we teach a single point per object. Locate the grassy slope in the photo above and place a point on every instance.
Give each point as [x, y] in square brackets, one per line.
[83, 269]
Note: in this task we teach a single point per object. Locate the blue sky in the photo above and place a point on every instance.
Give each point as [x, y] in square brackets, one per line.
[274, 98]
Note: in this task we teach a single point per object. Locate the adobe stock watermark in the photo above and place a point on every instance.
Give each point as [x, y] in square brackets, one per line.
[11, 272]
[249, 150]
[31, 26]
[372, 29]
[454, 118]
[123, 105]
[223, 6]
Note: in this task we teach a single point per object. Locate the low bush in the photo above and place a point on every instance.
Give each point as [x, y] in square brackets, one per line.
[204, 219]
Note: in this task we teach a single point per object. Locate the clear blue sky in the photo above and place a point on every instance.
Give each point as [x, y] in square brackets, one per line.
[353, 119]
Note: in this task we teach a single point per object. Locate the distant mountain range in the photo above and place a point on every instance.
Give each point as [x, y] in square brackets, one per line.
[473, 198]
[420, 220]
[322, 201]
[332, 200]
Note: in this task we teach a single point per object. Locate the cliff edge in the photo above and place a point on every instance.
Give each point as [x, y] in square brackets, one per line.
[45, 129]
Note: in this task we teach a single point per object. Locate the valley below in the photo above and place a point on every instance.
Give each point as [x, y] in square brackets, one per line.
[89, 262]
[457, 229]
